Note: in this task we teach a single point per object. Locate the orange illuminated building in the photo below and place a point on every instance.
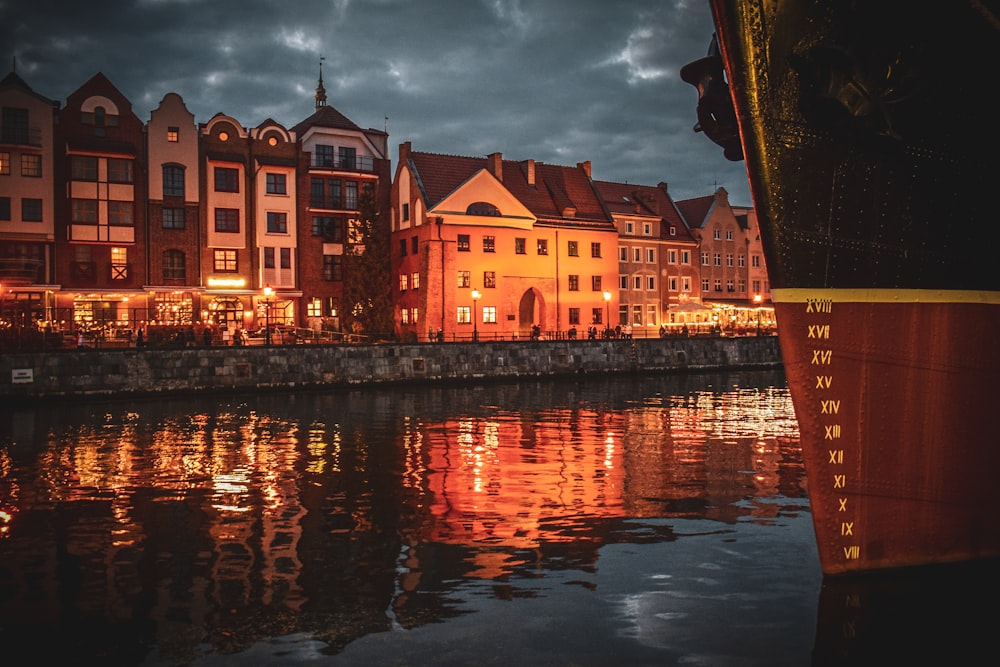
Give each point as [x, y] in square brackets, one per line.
[487, 247]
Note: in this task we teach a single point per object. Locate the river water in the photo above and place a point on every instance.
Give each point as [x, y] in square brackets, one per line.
[653, 520]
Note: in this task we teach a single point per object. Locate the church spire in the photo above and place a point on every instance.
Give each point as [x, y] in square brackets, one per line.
[320, 90]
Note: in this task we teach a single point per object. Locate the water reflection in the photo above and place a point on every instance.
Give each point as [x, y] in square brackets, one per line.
[161, 531]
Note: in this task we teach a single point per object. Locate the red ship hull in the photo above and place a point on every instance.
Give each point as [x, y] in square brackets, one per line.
[872, 172]
[893, 395]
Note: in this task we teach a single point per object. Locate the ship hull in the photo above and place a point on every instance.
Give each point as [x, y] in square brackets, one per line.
[858, 123]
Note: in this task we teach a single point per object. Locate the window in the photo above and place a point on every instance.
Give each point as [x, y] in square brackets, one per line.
[704, 258]
[314, 308]
[120, 213]
[595, 283]
[671, 257]
[224, 261]
[629, 228]
[622, 282]
[489, 244]
[31, 165]
[717, 259]
[227, 220]
[324, 155]
[482, 208]
[622, 254]
[729, 235]
[275, 184]
[572, 249]
[173, 218]
[464, 279]
[464, 315]
[673, 230]
[647, 229]
[729, 259]
[406, 212]
[351, 194]
[755, 261]
[227, 179]
[83, 168]
[637, 282]
[520, 246]
[595, 249]
[489, 279]
[119, 170]
[597, 315]
[463, 243]
[173, 181]
[404, 315]
[402, 247]
[285, 257]
[685, 283]
[718, 284]
[637, 255]
[83, 211]
[173, 134]
[637, 315]
[414, 245]
[328, 227]
[489, 314]
[543, 247]
[174, 265]
[729, 286]
[14, 126]
[348, 157]
[333, 267]
[4, 163]
[277, 223]
[4, 208]
[685, 257]
[404, 282]
[31, 210]
[651, 283]
[574, 315]
[650, 256]
[704, 284]
[741, 261]
[414, 315]
[672, 284]
[268, 258]
[716, 234]
[574, 283]
[119, 263]
[415, 280]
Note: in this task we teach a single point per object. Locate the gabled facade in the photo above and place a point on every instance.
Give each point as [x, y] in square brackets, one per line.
[656, 257]
[27, 202]
[491, 248]
[732, 260]
[340, 160]
[175, 223]
[100, 206]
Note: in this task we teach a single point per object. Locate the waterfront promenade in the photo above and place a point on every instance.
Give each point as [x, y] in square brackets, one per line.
[65, 374]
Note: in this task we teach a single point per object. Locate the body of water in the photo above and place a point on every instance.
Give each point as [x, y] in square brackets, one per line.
[654, 520]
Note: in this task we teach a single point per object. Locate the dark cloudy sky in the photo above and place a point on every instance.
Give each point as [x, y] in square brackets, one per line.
[558, 81]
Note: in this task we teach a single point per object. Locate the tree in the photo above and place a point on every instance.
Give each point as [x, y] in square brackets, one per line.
[367, 306]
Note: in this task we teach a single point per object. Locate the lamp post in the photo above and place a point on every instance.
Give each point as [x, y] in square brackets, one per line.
[267, 316]
[475, 326]
[607, 310]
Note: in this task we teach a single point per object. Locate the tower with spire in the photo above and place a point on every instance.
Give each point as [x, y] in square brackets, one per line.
[320, 90]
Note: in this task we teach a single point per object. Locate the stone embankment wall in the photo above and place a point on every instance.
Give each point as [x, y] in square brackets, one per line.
[130, 372]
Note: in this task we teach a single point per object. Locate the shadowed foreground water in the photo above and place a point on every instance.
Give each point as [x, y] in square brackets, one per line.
[638, 521]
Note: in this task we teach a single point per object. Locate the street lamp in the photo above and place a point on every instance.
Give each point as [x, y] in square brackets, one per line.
[607, 309]
[267, 316]
[475, 329]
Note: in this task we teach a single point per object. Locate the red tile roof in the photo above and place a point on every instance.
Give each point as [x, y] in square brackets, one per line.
[654, 201]
[556, 189]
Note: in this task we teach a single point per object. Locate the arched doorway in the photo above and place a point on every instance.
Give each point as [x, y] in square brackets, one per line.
[530, 310]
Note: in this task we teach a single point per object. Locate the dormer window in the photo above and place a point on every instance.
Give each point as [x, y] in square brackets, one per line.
[482, 208]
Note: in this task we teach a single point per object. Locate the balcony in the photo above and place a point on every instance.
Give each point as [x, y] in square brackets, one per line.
[356, 163]
[24, 136]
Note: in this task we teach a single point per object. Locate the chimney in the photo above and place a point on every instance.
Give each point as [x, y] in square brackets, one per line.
[529, 171]
[585, 166]
[404, 152]
[494, 162]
